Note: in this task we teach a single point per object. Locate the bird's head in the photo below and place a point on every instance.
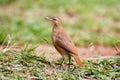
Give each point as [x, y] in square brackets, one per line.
[55, 20]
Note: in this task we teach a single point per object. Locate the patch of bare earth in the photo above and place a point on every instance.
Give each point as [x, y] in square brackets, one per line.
[88, 53]
[92, 52]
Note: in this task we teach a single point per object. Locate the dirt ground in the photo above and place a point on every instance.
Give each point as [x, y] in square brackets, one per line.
[91, 52]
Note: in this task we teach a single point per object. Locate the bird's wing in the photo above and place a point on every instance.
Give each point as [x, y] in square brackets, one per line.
[65, 42]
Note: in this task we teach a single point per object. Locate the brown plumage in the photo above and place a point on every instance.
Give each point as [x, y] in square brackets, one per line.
[62, 41]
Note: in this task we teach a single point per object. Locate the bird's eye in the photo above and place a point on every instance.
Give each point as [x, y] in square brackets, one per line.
[54, 19]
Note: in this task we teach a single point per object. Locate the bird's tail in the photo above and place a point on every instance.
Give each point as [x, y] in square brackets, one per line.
[78, 61]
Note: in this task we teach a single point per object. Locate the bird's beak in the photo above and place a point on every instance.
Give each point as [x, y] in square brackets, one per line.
[48, 18]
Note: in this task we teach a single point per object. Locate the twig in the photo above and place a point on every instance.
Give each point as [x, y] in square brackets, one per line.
[7, 48]
[116, 47]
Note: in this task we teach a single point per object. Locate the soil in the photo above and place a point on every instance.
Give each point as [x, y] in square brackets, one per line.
[91, 52]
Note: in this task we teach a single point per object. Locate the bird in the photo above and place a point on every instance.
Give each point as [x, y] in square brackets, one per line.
[62, 42]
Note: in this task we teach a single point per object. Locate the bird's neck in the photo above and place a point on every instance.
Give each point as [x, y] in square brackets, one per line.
[57, 28]
[56, 24]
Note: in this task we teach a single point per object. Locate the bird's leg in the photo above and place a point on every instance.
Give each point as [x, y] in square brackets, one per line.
[69, 62]
[62, 61]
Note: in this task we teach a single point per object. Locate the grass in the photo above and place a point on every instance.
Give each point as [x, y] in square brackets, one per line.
[94, 22]
[25, 65]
